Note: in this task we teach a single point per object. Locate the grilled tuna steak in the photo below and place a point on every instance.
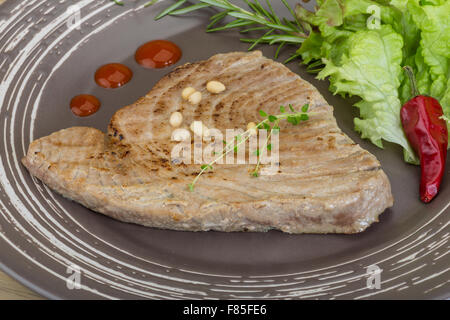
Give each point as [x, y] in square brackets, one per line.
[326, 182]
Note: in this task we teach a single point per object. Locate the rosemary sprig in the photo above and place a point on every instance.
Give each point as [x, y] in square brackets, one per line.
[315, 66]
[149, 3]
[277, 30]
[270, 123]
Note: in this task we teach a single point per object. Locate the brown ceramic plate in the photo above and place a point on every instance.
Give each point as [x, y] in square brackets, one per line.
[43, 64]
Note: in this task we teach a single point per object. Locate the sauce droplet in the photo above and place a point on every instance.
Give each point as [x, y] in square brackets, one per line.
[158, 54]
[113, 75]
[84, 105]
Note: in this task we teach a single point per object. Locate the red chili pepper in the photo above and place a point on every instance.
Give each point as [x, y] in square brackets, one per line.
[428, 135]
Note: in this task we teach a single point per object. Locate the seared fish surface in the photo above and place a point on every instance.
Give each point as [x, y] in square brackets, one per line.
[326, 182]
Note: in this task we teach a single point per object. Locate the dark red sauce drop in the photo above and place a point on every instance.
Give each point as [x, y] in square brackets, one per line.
[84, 105]
[113, 75]
[153, 54]
[158, 54]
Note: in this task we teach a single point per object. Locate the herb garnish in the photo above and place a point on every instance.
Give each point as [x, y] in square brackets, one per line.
[278, 30]
[120, 3]
[270, 123]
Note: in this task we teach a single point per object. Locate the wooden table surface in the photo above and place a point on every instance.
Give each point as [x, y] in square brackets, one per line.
[10, 289]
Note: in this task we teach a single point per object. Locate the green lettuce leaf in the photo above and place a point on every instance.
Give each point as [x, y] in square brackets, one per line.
[445, 103]
[433, 22]
[311, 48]
[367, 63]
[371, 70]
[433, 58]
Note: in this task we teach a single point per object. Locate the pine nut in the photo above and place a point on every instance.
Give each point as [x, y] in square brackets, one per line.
[187, 92]
[195, 98]
[251, 126]
[215, 87]
[181, 135]
[197, 128]
[176, 119]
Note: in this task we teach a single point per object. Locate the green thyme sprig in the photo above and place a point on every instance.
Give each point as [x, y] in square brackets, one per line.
[280, 31]
[270, 123]
[294, 119]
